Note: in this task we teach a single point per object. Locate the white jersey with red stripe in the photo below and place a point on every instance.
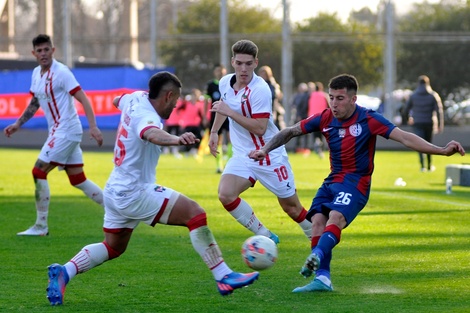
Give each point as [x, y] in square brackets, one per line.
[54, 90]
[135, 159]
[253, 101]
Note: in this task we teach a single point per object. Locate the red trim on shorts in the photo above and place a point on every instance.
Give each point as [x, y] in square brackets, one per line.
[314, 241]
[335, 230]
[112, 254]
[301, 216]
[197, 221]
[117, 230]
[232, 206]
[252, 180]
[160, 212]
[39, 174]
[77, 178]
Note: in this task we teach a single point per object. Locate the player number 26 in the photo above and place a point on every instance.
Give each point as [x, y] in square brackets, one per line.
[343, 198]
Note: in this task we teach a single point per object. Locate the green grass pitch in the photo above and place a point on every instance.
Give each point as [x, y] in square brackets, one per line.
[408, 250]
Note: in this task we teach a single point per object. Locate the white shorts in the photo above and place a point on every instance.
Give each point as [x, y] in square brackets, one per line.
[62, 152]
[152, 206]
[277, 177]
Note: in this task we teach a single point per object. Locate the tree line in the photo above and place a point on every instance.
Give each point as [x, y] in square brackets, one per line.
[432, 39]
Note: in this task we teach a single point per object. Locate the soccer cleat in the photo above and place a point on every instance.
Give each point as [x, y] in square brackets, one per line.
[35, 230]
[311, 264]
[314, 285]
[58, 279]
[234, 281]
[274, 237]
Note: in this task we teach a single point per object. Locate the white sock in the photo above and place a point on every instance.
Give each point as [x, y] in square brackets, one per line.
[204, 243]
[306, 227]
[89, 257]
[324, 280]
[42, 201]
[91, 190]
[244, 214]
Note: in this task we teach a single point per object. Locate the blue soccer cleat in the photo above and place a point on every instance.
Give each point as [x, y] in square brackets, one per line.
[311, 264]
[314, 285]
[274, 237]
[58, 279]
[235, 280]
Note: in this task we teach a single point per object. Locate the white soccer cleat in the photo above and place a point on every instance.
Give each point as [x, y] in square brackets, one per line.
[35, 230]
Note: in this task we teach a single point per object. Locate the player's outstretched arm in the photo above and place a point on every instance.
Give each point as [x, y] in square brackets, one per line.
[278, 140]
[417, 143]
[162, 138]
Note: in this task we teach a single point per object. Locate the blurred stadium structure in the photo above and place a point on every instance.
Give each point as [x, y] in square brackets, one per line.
[128, 33]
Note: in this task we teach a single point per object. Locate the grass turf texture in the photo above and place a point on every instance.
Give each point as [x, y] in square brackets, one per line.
[408, 250]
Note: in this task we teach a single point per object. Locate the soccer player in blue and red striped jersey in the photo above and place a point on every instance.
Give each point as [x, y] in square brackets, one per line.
[351, 133]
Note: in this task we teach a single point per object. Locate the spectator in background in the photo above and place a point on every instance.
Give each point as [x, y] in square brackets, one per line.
[172, 126]
[193, 117]
[54, 89]
[300, 112]
[317, 103]
[213, 95]
[427, 116]
[266, 73]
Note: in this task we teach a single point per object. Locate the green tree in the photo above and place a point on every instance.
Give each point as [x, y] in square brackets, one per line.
[195, 45]
[436, 45]
[325, 47]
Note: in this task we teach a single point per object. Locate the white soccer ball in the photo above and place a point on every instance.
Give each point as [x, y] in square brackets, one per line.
[259, 252]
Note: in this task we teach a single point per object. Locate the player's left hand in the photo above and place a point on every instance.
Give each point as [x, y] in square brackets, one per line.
[257, 155]
[221, 108]
[96, 134]
[454, 147]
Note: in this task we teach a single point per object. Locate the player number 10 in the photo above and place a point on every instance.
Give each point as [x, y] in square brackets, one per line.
[282, 173]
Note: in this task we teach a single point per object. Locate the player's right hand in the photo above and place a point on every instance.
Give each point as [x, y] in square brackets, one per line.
[10, 130]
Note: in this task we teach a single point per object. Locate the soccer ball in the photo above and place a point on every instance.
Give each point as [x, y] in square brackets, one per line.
[259, 252]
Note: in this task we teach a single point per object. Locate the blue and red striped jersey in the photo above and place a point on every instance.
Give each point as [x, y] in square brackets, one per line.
[351, 143]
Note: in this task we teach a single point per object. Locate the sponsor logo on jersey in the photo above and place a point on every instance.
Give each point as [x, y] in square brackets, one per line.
[342, 132]
[159, 188]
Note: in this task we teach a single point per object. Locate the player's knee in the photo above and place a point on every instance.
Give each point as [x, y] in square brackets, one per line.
[113, 253]
[39, 174]
[197, 221]
[77, 179]
[231, 205]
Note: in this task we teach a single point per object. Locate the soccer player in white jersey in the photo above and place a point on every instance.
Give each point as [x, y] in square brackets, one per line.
[54, 87]
[131, 195]
[246, 101]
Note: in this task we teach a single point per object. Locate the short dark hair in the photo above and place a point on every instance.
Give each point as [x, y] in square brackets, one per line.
[424, 80]
[40, 39]
[344, 81]
[160, 80]
[245, 46]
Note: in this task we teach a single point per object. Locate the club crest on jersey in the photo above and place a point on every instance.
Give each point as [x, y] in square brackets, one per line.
[355, 130]
[342, 132]
[159, 188]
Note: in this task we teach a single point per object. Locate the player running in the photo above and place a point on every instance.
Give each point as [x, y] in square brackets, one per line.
[246, 101]
[131, 195]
